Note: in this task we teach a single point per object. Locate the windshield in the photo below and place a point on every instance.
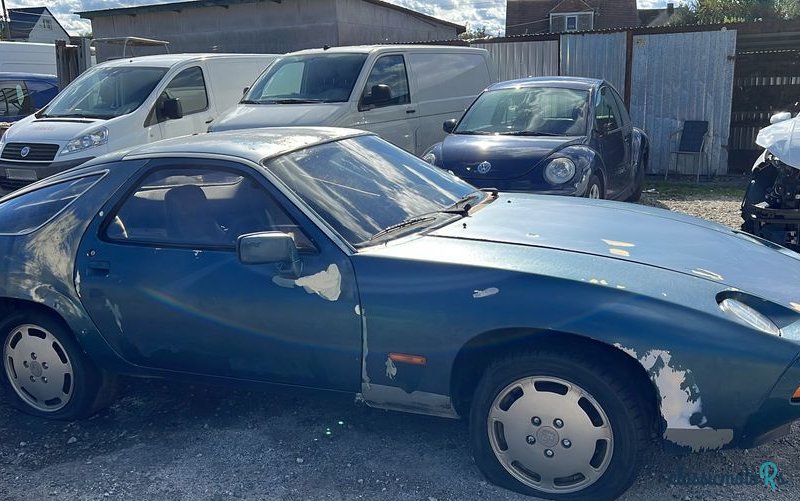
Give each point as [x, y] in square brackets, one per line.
[363, 185]
[106, 92]
[313, 78]
[534, 111]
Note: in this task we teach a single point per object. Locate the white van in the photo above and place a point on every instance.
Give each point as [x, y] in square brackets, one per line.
[26, 57]
[402, 92]
[124, 103]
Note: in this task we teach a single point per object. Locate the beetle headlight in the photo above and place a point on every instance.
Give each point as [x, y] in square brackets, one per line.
[95, 138]
[559, 170]
[430, 158]
[749, 316]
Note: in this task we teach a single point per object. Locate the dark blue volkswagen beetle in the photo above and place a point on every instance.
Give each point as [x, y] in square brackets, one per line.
[329, 259]
[549, 135]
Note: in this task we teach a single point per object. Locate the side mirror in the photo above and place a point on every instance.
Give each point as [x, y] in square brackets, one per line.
[379, 94]
[780, 117]
[244, 91]
[450, 125]
[172, 109]
[268, 247]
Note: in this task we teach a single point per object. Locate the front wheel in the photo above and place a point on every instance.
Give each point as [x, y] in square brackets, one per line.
[557, 426]
[45, 373]
[595, 188]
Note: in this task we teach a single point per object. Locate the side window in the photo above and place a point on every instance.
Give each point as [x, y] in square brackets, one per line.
[190, 87]
[622, 111]
[30, 210]
[41, 94]
[199, 207]
[387, 84]
[606, 113]
[15, 100]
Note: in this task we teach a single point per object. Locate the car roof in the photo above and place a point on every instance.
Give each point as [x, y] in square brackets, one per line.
[16, 75]
[562, 82]
[367, 49]
[169, 60]
[250, 144]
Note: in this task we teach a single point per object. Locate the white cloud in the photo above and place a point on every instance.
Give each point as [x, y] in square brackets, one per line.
[488, 13]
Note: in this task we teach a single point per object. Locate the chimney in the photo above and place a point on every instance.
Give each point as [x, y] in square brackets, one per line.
[670, 8]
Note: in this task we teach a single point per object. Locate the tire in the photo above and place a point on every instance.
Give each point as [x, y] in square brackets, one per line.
[594, 182]
[44, 371]
[615, 413]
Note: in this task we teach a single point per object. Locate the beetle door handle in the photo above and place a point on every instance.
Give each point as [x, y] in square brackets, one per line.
[99, 268]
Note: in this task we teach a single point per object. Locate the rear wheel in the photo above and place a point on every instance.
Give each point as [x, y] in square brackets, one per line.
[557, 426]
[45, 373]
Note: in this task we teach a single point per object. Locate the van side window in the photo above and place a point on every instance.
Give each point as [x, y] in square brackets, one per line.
[190, 87]
[387, 84]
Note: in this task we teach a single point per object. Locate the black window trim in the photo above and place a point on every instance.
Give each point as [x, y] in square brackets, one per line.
[100, 175]
[362, 107]
[135, 185]
[620, 125]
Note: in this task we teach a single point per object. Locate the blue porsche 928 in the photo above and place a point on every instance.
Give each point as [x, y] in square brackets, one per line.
[329, 259]
[549, 135]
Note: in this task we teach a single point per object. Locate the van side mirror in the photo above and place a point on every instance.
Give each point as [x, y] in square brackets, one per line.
[450, 125]
[172, 109]
[379, 94]
[268, 247]
[244, 91]
[780, 117]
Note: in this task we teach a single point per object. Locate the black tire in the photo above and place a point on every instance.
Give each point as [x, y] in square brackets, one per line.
[91, 389]
[595, 181]
[626, 414]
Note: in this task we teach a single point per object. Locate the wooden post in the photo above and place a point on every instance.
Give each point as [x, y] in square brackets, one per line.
[7, 20]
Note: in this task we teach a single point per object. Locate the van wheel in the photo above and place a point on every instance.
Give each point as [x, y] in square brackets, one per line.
[557, 426]
[46, 374]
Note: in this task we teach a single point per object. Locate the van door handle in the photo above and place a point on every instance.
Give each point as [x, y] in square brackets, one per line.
[209, 120]
[411, 111]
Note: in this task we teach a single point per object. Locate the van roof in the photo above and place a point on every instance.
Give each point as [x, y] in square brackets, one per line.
[367, 49]
[169, 60]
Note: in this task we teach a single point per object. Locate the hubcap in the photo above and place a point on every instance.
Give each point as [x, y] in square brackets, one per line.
[38, 368]
[568, 450]
[594, 191]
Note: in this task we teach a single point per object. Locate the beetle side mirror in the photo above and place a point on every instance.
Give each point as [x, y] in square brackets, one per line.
[780, 117]
[269, 247]
[172, 109]
[450, 125]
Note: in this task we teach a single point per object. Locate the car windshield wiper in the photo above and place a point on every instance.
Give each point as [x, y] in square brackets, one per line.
[81, 115]
[472, 132]
[297, 101]
[405, 223]
[463, 205]
[528, 133]
[249, 101]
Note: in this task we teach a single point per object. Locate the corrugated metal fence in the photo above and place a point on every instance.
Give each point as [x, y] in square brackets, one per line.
[673, 77]
[523, 59]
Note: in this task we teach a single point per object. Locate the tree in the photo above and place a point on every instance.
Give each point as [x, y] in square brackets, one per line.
[478, 32]
[730, 11]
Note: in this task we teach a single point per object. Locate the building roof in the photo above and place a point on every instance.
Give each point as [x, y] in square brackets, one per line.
[533, 16]
[23, 19]
[195, 4]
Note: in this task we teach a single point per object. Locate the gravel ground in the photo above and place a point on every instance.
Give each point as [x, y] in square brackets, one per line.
[164, 440]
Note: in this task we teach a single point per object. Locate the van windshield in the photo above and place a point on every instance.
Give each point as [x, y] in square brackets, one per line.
[105, 92]
[312, 78]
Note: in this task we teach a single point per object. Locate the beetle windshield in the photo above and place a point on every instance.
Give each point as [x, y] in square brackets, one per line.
[106, 92]
[363, 185]
[528, 111]
[312, 78]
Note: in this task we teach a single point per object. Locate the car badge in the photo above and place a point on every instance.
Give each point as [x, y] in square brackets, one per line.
[24, 151]
[484, 167]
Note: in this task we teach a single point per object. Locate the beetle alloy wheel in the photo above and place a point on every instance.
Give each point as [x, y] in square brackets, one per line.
[38, 368]
[550, 434]
[594, 191]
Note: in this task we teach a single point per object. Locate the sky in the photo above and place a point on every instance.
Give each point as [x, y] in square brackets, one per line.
[488, 13]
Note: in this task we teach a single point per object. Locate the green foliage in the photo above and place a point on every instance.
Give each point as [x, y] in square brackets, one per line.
[477, 32]
[731, 11]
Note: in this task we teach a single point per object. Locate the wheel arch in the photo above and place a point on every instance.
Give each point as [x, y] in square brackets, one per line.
[478, 353]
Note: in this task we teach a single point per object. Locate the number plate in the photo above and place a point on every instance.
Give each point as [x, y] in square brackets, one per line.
[21, 174]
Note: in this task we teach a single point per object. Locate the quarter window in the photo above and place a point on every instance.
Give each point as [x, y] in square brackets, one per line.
[387, 84]
[199, 207]
[27, 212]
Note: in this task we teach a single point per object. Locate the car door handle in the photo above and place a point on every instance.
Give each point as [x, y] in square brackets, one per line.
[411, 111]
[209, 120]
[99, 268]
